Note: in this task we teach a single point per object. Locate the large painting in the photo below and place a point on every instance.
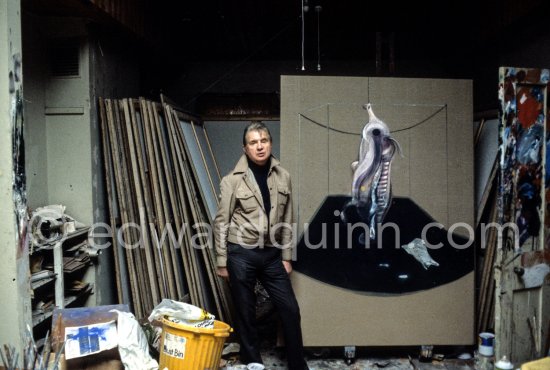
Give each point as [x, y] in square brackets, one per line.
[344, 264]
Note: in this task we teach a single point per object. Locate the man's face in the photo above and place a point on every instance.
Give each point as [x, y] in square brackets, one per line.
[258, 146]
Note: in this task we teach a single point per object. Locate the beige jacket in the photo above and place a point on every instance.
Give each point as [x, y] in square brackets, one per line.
[241, 218]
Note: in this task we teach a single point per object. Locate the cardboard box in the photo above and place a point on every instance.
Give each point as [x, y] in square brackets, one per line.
[83, 317]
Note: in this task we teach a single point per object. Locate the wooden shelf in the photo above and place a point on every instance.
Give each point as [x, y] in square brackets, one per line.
[69, 299]
[77, 233]
[38, 319]
[39, 283]
[68, 237]
[61, 299]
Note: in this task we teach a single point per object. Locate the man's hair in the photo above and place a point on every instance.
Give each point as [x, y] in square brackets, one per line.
[255, 126]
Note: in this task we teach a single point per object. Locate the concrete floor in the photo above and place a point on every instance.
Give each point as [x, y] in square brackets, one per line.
[333, 358]
[275, 361]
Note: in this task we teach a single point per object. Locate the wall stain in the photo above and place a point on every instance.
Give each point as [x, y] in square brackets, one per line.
[18, 152]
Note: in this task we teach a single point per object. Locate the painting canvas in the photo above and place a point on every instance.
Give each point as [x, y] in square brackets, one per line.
[322, 119]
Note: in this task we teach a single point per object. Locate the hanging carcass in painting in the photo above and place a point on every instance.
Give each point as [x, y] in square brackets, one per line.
[521, 143]
[371, 185]
[373, 242]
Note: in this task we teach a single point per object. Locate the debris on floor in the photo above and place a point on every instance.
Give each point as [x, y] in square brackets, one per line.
[274, 361]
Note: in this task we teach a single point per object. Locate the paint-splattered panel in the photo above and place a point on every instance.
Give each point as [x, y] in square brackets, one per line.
[522, 94]
[523, 204]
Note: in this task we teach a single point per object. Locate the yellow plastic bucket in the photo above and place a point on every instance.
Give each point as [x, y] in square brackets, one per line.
[184, 347]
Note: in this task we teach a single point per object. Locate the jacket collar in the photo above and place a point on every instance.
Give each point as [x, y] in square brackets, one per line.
[242, 164]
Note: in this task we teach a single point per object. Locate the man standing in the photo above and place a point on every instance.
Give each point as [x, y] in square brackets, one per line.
[253, 238]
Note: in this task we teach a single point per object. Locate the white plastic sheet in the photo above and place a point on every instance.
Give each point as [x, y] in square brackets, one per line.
[132, 344]
[182, 313]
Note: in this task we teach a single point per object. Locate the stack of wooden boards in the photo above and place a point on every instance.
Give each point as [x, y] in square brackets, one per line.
[487, 214]
[162, 182]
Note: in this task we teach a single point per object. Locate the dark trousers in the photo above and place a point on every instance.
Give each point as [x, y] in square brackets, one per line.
[245, 265]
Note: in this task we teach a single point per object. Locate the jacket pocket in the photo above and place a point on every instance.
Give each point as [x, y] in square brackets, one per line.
[283, 193]
[246, 200]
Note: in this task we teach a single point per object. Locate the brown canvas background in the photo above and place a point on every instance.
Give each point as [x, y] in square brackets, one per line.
[436, 171]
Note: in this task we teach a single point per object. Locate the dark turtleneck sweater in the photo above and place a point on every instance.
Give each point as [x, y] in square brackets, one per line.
[260, 174]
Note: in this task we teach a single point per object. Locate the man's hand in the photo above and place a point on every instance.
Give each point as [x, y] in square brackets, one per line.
[222, 272]
[288, 266]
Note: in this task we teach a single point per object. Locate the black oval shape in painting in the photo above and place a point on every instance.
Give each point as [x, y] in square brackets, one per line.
[336, 253]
